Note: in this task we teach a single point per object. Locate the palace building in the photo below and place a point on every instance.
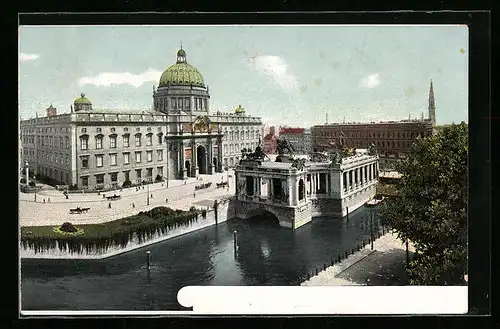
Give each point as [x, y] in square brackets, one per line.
[393, 139]
[180, 137]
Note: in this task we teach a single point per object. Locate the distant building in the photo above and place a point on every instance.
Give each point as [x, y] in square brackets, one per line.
[269, 146]
[392, 139]
[299, 138]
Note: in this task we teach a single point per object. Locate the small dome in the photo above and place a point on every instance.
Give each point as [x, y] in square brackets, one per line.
[181, 73]
[239, 110]
[82, 100]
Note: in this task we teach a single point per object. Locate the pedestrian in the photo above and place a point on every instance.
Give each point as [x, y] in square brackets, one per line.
[143, 187]
[184, 182]
[109, 205]
[67, 196]
[151, 195]
[194, 194]
[166, 200]
[43, 200]
[98, 192]
[133, 205]
[48, 200]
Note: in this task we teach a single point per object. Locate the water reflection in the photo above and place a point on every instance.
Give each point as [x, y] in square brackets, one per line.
[267, 254]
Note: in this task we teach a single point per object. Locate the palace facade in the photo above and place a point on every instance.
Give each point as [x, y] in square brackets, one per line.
[178, 138]
[393, 139]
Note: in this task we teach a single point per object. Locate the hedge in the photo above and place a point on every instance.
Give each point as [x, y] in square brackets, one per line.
[99, 237]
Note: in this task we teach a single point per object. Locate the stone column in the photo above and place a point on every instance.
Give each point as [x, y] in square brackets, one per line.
[182, 157]
[362, 171]
[270, 189]
[219, 154]
[27, 172]
[295, 189]
[194, 159]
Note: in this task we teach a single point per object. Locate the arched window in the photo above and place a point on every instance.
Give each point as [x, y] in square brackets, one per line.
[138, 139]
[160, 138]
[302, 189]
[84, 142]
[112, 141]
[98, 141]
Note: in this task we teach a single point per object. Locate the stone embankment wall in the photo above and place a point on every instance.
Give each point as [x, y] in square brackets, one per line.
[55, 253]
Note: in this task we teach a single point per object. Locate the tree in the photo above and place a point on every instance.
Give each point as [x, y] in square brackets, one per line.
[431, 209]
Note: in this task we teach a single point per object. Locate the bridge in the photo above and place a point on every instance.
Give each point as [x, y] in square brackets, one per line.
[297, 190]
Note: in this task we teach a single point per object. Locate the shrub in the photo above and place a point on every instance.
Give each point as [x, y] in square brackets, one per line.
[192, 209]
[32, 184]
[204, 213]
[158, 178]
[23, 180]
[68, 227]
[73, 187]
[127, 183]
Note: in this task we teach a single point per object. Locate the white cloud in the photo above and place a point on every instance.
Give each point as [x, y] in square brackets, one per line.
[277, 68]
[371, 81]
[117, 78]
[28, 57]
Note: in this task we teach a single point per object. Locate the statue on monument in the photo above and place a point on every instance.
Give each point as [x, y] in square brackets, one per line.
[372, 149]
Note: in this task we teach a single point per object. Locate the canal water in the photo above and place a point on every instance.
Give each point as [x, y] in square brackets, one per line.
[267, 255]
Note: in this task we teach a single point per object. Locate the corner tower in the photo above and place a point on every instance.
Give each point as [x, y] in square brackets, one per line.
[432, 106]
[181, 89]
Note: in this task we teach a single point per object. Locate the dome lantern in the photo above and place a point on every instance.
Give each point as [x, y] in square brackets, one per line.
[239, 110]
[181, 73]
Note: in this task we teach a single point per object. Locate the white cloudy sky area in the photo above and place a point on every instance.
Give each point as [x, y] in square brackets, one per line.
[288, 74]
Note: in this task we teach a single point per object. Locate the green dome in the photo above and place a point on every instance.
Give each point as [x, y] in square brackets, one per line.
[181, 73]
[82, 99]
[239, 110]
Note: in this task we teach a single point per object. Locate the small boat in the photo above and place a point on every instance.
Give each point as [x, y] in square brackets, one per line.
[374, 202]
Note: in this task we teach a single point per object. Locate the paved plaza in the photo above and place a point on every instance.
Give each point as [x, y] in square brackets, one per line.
[180, 194]
[384, 266]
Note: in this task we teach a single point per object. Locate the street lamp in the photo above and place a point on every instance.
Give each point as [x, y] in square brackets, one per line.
[148, 194]
[371, 228]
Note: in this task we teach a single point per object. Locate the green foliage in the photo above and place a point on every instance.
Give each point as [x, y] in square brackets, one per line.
[97, 238]
[431, 210]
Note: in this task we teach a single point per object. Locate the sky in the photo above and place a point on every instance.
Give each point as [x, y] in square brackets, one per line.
[288, 75]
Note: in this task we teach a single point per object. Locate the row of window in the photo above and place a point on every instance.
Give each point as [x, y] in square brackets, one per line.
[113, 157]
[99, 141]
[182, 103]
[113, 177]
[50, 157]
[381, 144]
[50, 130]
[236, 148]
[242, 135]
[369, 134]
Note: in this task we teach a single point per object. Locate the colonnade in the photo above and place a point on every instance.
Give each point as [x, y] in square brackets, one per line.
[358, 176]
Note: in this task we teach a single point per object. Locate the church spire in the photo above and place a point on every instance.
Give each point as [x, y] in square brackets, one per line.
[432, 105]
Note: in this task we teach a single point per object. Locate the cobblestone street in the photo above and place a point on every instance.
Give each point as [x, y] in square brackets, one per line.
[181, 195]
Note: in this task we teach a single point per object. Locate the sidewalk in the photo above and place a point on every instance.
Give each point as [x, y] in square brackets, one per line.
[180, 195]
[383, 266]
